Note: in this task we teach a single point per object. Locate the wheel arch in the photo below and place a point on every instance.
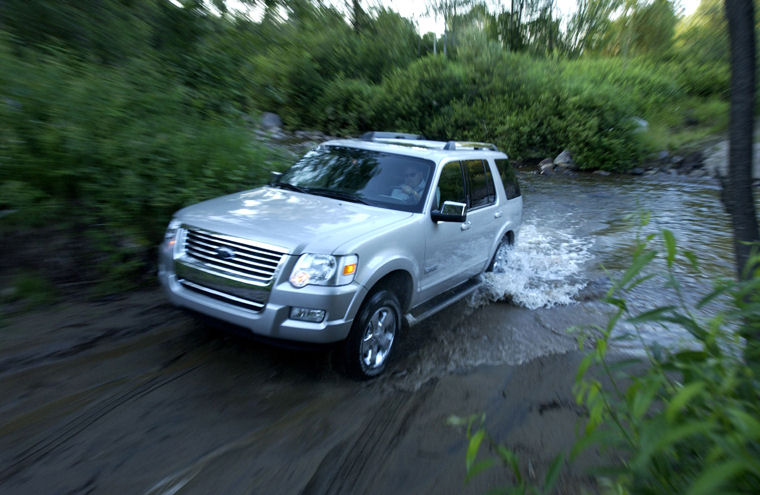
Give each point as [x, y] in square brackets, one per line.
[400, 283]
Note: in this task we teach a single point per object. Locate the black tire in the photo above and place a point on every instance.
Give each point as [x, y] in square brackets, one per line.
[366, 351]
[498, 262]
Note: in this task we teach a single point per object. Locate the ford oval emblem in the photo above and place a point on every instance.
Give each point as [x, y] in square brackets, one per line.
[225, 253]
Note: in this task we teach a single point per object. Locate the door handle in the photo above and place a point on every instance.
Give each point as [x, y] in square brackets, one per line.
[466, 225]
[498, 214]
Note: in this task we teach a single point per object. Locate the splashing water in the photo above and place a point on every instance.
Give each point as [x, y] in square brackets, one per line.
[543, 269]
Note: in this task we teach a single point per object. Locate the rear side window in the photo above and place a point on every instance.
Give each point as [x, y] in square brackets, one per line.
[481, 183]
[508, 177]
[450, 185]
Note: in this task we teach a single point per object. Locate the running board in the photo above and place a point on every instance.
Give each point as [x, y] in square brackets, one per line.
[442, 301]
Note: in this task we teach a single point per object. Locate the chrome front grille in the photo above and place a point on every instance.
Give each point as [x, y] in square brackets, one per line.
[233, 256]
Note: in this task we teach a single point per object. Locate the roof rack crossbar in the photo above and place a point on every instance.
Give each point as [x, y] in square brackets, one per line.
[369, 136]
[474, 145]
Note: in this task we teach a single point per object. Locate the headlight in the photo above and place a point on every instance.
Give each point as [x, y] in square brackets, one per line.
[171, 231]
[323, 269]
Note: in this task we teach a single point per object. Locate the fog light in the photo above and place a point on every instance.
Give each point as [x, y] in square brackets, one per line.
[306, 314]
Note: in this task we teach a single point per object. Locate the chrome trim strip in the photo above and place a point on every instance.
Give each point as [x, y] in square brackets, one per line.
[256, 306]
[243, 257]
[234, 267]
[245, 242]
[184, 267]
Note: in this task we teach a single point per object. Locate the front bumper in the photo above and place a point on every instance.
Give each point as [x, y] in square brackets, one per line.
[273, 321]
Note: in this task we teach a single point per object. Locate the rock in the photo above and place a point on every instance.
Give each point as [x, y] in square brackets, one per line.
[637, 171]
[676, 161]
[663, 155]
[270, 121]
[546, 167]
[692, 161]
[602, 173]
[564, 159]
[716, 160]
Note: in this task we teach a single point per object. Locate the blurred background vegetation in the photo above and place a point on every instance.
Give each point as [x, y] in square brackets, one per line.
[114, 113]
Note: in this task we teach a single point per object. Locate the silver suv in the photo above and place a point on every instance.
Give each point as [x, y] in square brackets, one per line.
[356, 237]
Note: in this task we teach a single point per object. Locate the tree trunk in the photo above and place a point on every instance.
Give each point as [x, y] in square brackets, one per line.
[737, 187]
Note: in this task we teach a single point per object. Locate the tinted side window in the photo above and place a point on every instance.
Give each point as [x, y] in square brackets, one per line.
[451, 185]
[481, 184]
[509, 178]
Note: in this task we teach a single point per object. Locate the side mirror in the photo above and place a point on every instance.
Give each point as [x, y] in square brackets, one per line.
[274, 178]
[450, 211]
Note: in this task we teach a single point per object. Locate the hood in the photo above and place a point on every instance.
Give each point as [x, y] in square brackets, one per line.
[295, 221]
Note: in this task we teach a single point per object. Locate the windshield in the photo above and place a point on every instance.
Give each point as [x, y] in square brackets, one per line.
[370, 177]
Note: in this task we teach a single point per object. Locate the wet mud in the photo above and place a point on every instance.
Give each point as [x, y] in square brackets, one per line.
[134, 396]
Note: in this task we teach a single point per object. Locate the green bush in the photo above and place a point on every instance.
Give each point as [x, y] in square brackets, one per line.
[689, 423]
[114, 151]
[347, 107]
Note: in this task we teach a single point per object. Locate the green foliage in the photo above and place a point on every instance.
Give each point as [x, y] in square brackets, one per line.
[347, 106]
[31, 289]
[113, 113]
[477, 435]
[687, 424]
[114, 151]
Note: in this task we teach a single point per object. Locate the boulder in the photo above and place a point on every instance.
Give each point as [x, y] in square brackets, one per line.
[546, 167]
[602, 173]
[637, 171]
[564, 159]
[270, 121]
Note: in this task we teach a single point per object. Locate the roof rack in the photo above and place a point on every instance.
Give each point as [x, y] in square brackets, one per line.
[469, 145]
[419, 141]
[369, 136]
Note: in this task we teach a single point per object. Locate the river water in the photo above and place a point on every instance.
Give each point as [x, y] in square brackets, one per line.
[579, 234]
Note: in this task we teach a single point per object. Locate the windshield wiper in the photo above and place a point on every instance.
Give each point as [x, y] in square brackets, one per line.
[329, 193]
[291, 187]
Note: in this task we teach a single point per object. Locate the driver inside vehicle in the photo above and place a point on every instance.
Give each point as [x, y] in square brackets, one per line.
[412, 187]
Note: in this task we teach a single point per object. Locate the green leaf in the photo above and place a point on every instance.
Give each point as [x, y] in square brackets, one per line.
[638, 264]
[682, 397]
[745, 422]
[713, 477]
[665, 437]
[473, 447]
[670, 246]
[586, 362]
[553, 473]
[643, 398]
[689, 255]
[640, 280]
[510, 459]
[478, 468]
[653, 315]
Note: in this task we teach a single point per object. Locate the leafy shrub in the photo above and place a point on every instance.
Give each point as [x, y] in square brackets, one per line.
[413, 97]
[347, 106]
[689, 423]
[116, 150]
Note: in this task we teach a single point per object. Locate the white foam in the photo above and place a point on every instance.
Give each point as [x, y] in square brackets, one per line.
[543, 269]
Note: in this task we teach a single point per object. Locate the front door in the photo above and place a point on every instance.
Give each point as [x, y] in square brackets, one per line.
[447, 244]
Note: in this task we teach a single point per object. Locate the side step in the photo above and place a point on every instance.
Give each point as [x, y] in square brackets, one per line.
[442, 301]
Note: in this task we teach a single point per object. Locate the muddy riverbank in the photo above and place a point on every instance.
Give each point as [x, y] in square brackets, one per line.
[134, 396]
